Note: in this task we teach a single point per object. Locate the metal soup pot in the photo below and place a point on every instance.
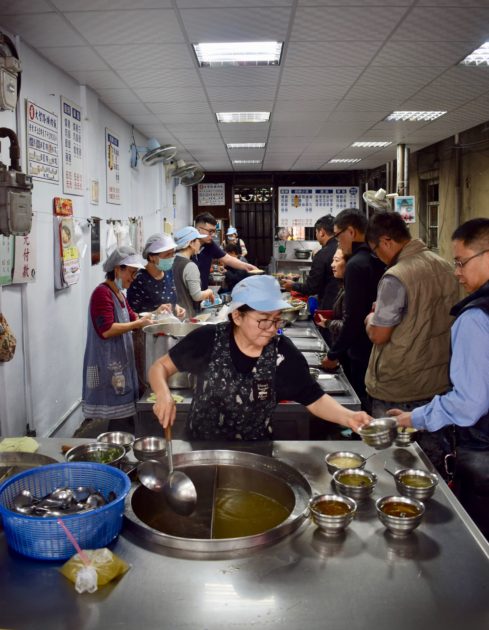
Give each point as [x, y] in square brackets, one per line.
[303, 254]
[159, 338]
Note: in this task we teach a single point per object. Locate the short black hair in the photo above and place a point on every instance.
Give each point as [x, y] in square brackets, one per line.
[205, 217]
[351, 217]
[325, 223]
[389, 224]
[232, 248]
[473, 232]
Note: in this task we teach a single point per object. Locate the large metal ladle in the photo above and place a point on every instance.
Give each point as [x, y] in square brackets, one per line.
[179, 489]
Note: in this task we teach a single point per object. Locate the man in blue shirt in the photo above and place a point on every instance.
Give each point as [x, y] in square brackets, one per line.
[465, 408]
[206, 224]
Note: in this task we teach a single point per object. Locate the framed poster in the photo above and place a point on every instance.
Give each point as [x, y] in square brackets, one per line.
[211, 194]
[406, 206]
[42, 133]
[72, 153]
[112, 163]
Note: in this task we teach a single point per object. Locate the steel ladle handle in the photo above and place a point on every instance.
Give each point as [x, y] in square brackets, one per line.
[169, 448]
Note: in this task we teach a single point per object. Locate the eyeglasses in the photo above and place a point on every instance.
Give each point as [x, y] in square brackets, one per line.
[209, 231]
[336, 234]
[460, 264]
[268, 324]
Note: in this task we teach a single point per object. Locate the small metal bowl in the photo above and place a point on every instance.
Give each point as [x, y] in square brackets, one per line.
[332, 513]
[405, 436]
[380, 433]
[96, 452]
[400, 515]
[150, 447]
[416, 484]
[120, 438]
[355, 483]
[339, 460]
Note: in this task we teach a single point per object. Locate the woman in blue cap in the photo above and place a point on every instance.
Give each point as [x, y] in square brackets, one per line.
[232, 237]
[243, 369]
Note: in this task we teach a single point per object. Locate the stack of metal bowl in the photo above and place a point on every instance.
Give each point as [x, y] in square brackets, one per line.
[332, 513]
[150, 447]
[405, 436]
[380, 433]
[400, 515]
[416, 484]
[355, 483]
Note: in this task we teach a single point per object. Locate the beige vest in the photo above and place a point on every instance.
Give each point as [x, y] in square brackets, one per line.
[413, 364]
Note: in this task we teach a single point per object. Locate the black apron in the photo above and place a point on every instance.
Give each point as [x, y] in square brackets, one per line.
[228, 405]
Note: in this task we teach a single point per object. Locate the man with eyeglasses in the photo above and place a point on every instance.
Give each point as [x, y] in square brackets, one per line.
[410, 327]
[243, 368]
[362, 274]
[206, 224]
[463, 412]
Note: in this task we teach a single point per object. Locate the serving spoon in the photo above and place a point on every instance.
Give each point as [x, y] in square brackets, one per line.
[179, 489]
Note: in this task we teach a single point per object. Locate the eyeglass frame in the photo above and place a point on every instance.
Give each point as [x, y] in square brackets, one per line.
[460, 264]
[336, 234]
[209, 232]
[275, 323]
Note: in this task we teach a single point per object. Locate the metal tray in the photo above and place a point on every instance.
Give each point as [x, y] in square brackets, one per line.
[332, 384]
[307, 344]
[13, 463]
[300, 333]
[313, 358]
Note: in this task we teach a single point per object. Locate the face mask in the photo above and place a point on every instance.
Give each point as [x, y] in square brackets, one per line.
[118, 283]
[165, 264]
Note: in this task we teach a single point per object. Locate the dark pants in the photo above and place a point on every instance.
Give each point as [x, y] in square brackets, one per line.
[471, 485]
[358, 369]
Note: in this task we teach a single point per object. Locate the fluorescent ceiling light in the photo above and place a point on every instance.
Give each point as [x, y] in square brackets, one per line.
[246, 145]
[344, 161]
[242, 117]
[414, 116]
[238, 53]
[478, 57]
[370, 145]
[246, 161]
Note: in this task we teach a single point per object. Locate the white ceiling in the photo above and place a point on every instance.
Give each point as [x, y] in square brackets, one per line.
[346, 65]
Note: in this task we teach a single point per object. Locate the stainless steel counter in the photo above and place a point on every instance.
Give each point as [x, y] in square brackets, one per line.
[437, 578]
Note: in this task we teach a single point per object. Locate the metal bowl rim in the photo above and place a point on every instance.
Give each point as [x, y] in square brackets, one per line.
[399, 499]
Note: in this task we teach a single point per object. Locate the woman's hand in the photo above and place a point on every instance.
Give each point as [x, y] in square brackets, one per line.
[143, 321]
[357, 420]
[321, 321]
[165, 409]
[179, 311]
[329, 364]
[403, 418]
[164, 308]
[208, 294]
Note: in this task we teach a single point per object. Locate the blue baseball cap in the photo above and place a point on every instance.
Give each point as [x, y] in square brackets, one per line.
[184, 235]
[261, 293]
[231, 230]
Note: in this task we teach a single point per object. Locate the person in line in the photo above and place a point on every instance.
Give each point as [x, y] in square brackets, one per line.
[233, 238]
[153, 288]
[110, 384]
[410, 327]
[186, 273]
[464, 410]
[232, 276]
[320, 280]
[362, 275]
[206, 225]
[243, 369]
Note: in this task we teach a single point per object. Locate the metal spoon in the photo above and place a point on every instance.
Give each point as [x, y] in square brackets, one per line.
[389, 471]
[179, 489]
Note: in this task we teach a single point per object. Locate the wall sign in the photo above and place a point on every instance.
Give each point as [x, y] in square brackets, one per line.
[24, 259]
[112, 160]
[211, 194]
[72, 153]
[6, 258]
[42, 131]
[302, 207]
[406, 206]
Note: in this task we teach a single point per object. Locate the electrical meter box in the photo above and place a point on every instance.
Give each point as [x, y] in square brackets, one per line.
[15, 202]
[9, 70]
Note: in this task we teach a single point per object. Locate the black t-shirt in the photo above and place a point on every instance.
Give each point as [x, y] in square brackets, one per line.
[204, 258]
[293, 380]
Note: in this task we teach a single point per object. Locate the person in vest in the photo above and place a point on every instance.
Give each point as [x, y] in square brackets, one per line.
[410, 327]
[110, 384]
[232, 237]
[186, 273]
[243, 369]
[465, 408]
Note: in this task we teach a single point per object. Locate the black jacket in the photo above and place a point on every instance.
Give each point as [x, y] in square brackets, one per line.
[362, 275]
[320, 280]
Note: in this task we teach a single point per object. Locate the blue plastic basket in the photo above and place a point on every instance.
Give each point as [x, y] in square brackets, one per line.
[43, 538]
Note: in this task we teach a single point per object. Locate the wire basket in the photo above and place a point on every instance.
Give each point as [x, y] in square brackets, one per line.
[42, 537]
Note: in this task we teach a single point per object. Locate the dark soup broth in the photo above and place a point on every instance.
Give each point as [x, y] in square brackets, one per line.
[331, 508]
[401, 510]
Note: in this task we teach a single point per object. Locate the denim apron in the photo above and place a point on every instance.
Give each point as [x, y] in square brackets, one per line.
[228, 405]
[110, 384]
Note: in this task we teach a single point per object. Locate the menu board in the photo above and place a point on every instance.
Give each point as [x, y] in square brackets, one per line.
[211, 194]
[72, 155]
[302, 207]
[112, 160]
[42, 133]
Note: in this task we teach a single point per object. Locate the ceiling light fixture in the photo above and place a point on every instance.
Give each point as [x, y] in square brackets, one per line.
[242, 117]
[344, 161]
[246, 161]
[421, 116]
[238, 53]
[479, 57]
[246, 145]
[370, 145]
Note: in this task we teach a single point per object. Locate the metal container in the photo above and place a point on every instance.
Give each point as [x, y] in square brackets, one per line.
[149, 516]
[410, 514]
[159, 338]
[339, 461]
[358, 492]
[96, 452]
[150, 447]
[416, 484]
[302, 254]
[380, 433]
[325, 514]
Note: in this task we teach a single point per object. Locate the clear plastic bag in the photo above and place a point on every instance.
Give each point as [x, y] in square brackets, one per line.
[104, 567]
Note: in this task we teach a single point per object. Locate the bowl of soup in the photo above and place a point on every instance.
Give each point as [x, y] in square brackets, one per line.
[332, 513]
[339, 460]
[416, 484]
[400, 515]
[380, 433]
[405, 436]
[355, 483]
